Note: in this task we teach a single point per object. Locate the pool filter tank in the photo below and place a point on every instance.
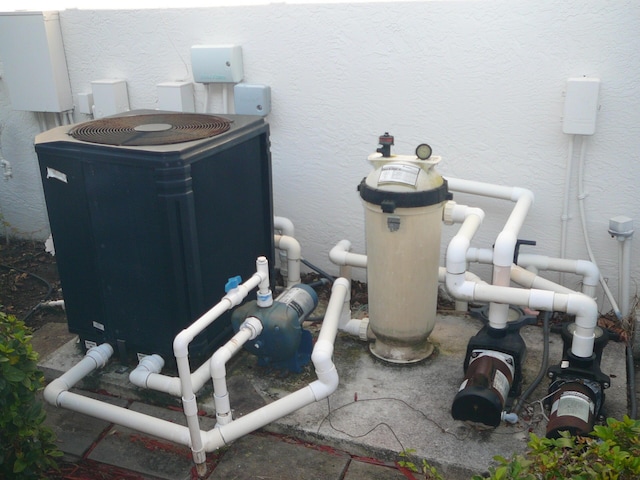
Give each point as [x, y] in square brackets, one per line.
[403, 200]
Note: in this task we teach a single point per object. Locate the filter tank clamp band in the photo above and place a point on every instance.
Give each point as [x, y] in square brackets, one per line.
[389, 201]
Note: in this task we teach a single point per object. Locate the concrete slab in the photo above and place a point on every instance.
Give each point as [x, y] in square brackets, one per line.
[359, 470]
[379, 410]
[131, 450]
[50, 337]
[75, 432]
[259, 456]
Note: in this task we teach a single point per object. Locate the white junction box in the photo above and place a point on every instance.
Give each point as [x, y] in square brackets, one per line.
[252, 99]
[109, 97]
[34, 64]
[217, 63]
[176, 97]
[581, 106]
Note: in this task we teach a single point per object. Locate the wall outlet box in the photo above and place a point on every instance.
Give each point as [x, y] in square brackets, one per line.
[84, 103]
[176, 97]
[34, 63]
[109, 97]
[252, 99]
[217, 63]
[581, 106]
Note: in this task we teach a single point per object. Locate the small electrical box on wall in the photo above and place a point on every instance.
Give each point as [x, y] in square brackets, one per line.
[581, 106]
[217, 63]
[35, 67]
[252, 99]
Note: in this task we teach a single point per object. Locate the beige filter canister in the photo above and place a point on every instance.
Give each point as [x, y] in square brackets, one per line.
[403, 200]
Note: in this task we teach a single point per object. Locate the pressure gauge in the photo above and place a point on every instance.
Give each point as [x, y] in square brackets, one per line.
[423, 151]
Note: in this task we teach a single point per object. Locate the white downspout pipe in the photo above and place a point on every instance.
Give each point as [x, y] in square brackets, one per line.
[294, 253]
[583, 307]
[321, 388]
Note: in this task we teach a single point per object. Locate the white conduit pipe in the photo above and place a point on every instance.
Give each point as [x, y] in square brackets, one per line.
[294, 254]
[321, 388]
[505, 244]
[588, 270]
[583, 307]
[624, 276]
[250, 329]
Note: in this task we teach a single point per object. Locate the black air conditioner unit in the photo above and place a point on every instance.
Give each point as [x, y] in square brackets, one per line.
[150, 214]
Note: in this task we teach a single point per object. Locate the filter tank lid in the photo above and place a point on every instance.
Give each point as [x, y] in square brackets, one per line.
[404, 182]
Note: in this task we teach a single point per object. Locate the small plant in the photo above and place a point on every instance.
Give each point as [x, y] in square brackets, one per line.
[27, 447]
[611, 452]
[429, 472]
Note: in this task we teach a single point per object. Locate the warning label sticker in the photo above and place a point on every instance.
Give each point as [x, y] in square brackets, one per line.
[399, 173]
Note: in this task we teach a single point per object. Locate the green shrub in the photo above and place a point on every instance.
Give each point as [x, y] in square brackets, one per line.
[27, 447]
[611, 452]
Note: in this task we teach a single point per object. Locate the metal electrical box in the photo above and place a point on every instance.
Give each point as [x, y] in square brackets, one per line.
[34, 63]
[147, 232]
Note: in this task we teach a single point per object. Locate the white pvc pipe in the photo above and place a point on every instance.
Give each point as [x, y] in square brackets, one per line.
[341, 255]
[57, 392]
[181, 350]
[588, 270]
[624, 277]
[321, 388]
[505, 243]
[294, 255]
[529, 279]
[250, 329]
[584, 307]
[285, 227]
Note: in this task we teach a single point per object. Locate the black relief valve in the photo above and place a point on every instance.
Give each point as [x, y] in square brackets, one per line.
[385, 142]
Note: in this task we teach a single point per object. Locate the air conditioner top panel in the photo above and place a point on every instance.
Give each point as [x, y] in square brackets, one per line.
[151, 132]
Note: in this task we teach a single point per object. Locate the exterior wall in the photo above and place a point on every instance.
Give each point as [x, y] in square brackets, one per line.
[482, 82]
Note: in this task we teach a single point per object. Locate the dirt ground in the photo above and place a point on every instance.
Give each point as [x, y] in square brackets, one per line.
[28, 277]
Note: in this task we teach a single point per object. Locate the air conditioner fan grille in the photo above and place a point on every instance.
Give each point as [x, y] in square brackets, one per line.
[150, 129]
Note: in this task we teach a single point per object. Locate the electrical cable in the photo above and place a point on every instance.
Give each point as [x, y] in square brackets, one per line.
[631, 382]
[318, 270]
[37, 277]
[543, 365]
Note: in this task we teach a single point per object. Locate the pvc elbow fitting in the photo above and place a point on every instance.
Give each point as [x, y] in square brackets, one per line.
[338, 254]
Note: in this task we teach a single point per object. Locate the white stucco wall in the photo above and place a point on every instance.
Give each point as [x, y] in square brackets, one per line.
[481, 81]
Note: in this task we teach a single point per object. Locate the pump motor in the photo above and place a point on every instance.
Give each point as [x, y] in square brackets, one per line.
[283, 343]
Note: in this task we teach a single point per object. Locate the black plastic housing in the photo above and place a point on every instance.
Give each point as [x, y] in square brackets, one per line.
[146, 237]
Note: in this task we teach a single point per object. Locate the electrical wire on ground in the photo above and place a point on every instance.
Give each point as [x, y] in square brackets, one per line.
[327, 418]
